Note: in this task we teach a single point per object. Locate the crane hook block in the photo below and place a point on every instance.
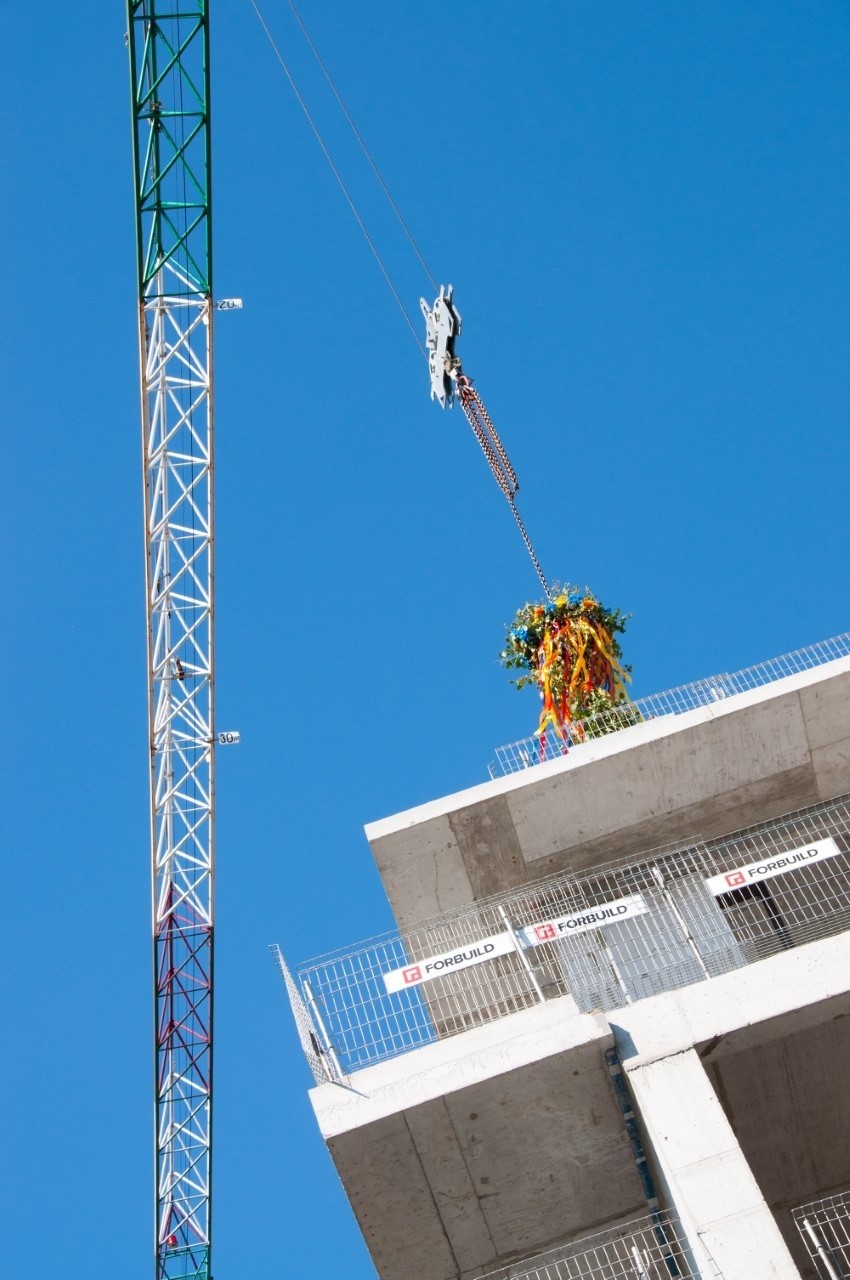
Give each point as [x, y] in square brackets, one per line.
[442, 326]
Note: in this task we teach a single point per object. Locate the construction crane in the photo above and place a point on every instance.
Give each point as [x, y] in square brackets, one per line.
[168, 42]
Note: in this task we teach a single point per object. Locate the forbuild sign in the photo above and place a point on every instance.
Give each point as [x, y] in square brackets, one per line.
[498, 944]
[754, 872]
[598, 917]
[502, 944]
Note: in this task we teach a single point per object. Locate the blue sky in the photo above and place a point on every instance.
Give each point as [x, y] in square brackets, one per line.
[643, 211]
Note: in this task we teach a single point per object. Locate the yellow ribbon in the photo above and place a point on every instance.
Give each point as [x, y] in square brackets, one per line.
[581, 640]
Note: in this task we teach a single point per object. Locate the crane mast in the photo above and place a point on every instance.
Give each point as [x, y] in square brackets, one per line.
[169, 62]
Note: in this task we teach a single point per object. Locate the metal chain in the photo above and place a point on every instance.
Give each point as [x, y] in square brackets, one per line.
[471, 403]
[487, 437]
[506, 462]
[487, 449]
[498, 460]
[530, 549]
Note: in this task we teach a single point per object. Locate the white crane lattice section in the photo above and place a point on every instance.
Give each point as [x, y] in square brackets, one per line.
[177, 414]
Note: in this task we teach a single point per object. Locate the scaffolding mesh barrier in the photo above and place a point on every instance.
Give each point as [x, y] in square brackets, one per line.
[516, 756]
[824, 1226]
[649, 1248]
[321, 1062]
[608, 937]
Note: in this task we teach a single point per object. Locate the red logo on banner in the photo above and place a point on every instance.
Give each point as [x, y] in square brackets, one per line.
[544, 931]
[737, 877]
[412, 975]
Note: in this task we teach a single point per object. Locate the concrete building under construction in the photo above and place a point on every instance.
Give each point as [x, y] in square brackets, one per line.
[610, 1034]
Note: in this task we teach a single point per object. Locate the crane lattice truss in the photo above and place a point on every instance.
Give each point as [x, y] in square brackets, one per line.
[169, 59]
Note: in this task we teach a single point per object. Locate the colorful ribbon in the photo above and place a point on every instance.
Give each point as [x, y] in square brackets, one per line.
[576, 657]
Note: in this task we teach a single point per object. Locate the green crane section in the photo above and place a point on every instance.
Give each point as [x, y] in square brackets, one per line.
[169, 61]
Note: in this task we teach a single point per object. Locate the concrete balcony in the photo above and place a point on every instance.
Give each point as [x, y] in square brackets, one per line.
[476, 1151]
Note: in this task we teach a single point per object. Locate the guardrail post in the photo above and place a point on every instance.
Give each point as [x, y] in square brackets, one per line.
[639, 1264]
[823, 1253]
[327, 1047]
[523, 958]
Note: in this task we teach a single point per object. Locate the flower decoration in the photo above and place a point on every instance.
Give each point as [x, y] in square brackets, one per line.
[568, 649]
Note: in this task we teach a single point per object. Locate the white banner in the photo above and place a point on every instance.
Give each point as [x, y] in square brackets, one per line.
[498, 944]
[598, 917]
[754, 872]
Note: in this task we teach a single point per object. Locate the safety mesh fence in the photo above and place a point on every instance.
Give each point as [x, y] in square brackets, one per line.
[516, 756]
[608, 937]
[649, 1248]
[824, 1226]
[320, 1059]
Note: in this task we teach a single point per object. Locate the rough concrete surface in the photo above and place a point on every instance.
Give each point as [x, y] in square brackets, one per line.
[491, 1172]
[482, 1153]
[790, 1110]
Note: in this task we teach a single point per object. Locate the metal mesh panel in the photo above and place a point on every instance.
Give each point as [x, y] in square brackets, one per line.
[635, 957]
[650, 1248]
[806, 901]
[516, 756]
[824, 1226]
[317, 1056]
[367, 1024]
[607, 936]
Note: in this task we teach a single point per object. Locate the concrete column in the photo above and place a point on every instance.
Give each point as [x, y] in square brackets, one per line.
[703, 1172]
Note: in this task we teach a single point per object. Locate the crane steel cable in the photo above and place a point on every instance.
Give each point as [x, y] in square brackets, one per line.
[335, 171]
[367, 153]
[471, 402]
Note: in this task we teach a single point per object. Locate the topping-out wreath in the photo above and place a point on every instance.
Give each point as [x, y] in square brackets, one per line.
[567, 648]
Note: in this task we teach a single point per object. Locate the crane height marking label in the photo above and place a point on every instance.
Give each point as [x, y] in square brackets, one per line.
[754, 872]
